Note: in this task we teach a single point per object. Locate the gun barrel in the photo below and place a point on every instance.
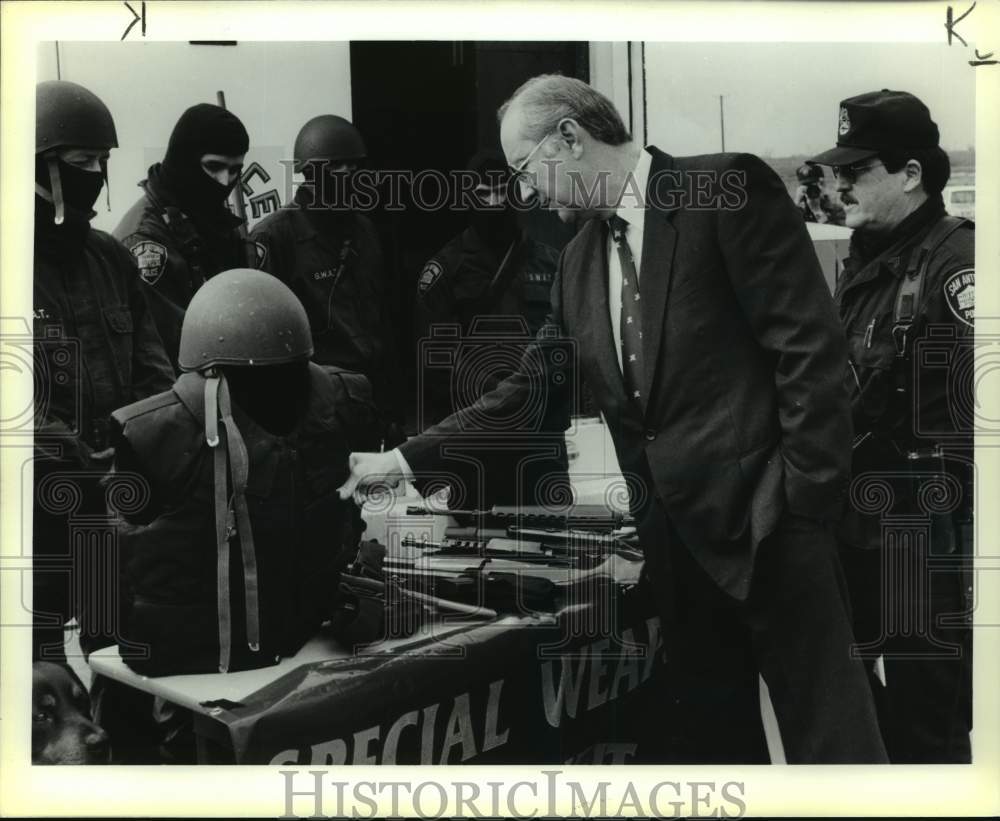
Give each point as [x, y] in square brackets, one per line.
[594, 517]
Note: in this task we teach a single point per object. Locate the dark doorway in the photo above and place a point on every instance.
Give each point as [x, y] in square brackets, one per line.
[431, 105]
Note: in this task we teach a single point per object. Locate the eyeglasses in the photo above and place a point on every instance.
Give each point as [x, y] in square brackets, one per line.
[518, 174]
[850, 173]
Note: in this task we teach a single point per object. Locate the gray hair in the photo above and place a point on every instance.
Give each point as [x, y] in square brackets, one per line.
[548, 98]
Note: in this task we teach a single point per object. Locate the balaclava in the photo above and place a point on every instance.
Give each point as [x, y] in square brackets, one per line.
[202, 129]
[496, 225]
[79, 190]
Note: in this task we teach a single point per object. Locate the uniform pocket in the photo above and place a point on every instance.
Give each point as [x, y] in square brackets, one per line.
[119, 322]
[119, 319]
[873, 355]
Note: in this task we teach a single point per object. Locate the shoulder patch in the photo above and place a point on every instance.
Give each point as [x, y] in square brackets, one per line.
[429, 275]
[260, 253]
[151, 257]
[960, 294]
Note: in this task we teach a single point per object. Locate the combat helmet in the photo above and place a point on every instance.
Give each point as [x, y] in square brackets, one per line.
[244, 317]
[67, 115]
[328, 137]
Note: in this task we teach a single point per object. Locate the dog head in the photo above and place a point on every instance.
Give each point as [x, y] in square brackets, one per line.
[62, 731]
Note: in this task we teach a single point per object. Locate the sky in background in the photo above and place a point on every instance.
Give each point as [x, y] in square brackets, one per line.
[782, 98]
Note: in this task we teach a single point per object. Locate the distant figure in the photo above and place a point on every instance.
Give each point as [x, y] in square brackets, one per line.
[813, 202]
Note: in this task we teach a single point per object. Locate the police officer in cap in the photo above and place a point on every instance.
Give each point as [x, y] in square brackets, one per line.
[493, 280]
[814, 203]
[329, 254]
[96, 347]
[232, 561]
[906, 298]
[180, 230]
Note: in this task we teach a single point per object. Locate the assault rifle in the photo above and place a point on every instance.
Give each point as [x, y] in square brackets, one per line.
[581, 538]
[594, 518]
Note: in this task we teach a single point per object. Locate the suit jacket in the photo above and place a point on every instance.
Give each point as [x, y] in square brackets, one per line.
[747, 411]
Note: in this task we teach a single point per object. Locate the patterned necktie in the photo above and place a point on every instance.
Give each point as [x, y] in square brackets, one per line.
[631, 316]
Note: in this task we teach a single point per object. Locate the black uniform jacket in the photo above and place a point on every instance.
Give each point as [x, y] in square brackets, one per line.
[340, 279]
[498, 304]
[96, 347]
[920, 400]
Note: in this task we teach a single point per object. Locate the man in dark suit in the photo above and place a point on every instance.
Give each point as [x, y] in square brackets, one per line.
[706, 332]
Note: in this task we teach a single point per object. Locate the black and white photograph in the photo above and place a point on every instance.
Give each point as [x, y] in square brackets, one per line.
[478, 399]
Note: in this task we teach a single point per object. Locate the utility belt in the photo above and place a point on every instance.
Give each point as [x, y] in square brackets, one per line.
[879, 449]
[926, 480]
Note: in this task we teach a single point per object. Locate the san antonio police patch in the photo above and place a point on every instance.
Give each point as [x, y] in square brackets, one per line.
[429, 275]
[151, 257]
[960, 294]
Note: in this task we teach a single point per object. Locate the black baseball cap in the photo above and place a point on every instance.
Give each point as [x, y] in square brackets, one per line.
[879, 121]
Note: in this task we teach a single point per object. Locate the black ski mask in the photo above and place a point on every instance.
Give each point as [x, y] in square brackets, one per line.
[496, 225]
[202, 129]
[77, 188]
[64, 202]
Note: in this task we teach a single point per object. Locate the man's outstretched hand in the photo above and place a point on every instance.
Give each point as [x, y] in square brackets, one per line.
[370, 470]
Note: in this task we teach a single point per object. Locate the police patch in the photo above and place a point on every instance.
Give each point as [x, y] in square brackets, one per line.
[845, 121]
[260, 254]
[960, 294]
[429, 275]
[151, 257]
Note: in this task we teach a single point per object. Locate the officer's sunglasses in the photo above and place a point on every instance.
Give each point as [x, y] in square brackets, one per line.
[850, 173]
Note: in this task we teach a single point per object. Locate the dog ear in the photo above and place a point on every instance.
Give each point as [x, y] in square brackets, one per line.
[51, 670]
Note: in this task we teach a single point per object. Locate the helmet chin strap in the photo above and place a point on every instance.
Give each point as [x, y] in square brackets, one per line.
[43, 192]
[230, 460]
[57, 196]
[107, 185]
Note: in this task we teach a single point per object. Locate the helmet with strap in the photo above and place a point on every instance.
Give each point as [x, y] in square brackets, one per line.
[244, 317]
[240, 317]
[67, 115]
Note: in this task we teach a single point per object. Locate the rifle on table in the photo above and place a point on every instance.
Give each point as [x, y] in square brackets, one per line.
[594, 518]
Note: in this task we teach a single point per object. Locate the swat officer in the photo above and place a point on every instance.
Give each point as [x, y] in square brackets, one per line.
[329, 254]
[95, 344]
[180, 231]
[486, 276]
[232, 561]
[814, 203]
[906, 298]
